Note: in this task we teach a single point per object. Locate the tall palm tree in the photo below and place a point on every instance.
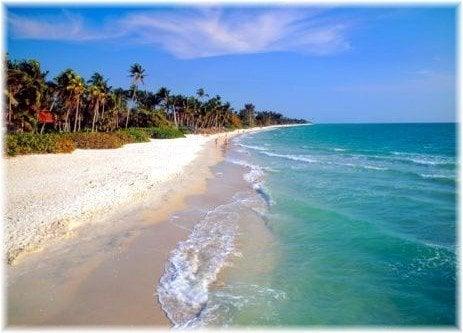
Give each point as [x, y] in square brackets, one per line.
[201, 93]
[98, 91]
[247, 114]
[94, 98]
[77, 88]
[70, 87]
[137, 73]
[202, 112]
[169, 101]
[34, 88]
[14, 84]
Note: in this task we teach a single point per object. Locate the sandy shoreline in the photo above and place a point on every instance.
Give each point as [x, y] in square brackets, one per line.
[50, 195]
[123, 243]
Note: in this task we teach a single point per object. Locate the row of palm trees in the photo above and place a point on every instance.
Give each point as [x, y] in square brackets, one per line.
[68, 103]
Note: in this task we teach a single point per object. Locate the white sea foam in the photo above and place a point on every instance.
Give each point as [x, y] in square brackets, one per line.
[255, 174]
[195, 263]
[357, 165]
[372, 167]
[259, 148]
[305, 158]
[436, 176]
[241, 296]
[255, 177]
[424, 159]
[300, 158]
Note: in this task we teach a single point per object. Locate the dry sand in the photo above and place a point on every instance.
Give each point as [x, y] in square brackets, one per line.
[49, 195]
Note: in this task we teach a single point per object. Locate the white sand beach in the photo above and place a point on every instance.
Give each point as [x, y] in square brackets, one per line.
[49, 195]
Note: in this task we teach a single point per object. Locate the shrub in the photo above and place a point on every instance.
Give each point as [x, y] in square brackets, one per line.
[165, 133]
[186, 129]
[96, 140]
[64, 145]
[124, 136]
[29, 143]
[135, 135]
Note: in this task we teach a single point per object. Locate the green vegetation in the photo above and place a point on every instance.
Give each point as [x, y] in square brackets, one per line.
[98, 140]
[33, 143]
[136, 134]
[166, 133]
[29, 143]
[49, 116]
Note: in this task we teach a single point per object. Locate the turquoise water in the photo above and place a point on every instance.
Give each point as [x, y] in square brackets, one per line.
[364, 222]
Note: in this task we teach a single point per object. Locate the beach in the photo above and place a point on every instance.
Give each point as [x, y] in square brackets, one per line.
[98, 212]
[50, 195]
[287, 227]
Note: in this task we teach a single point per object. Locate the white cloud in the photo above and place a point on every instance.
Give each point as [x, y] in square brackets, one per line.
[70, 28]
[201, 32]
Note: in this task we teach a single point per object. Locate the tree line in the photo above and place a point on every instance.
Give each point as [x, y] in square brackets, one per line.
[69, 103]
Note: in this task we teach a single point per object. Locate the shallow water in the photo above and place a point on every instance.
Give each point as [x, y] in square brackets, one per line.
[339, 225]
[191, 288]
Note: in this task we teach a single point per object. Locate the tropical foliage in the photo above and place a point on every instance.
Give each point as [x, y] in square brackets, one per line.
[69, 103]
[33, 143]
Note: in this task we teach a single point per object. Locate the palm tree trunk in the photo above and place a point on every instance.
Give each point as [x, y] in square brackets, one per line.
[127, 120]
[95, 113]
[76, 116]
[102, 111]
[66, 121]
[117, 119]
[10, 109]
[134, 96]
[175, 117]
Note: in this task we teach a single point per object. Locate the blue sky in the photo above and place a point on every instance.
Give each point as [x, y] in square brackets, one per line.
[327, 64]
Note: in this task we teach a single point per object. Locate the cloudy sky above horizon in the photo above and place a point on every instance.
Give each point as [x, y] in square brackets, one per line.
[326, 64]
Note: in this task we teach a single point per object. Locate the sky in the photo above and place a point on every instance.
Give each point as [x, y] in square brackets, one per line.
[325, 64]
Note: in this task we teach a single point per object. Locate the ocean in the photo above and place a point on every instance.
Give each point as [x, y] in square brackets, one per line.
[324, 225]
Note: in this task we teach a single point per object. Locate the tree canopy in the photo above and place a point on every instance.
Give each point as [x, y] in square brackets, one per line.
[75, 104]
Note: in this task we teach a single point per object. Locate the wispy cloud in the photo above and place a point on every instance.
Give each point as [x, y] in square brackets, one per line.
[197, 33]
[67, 27]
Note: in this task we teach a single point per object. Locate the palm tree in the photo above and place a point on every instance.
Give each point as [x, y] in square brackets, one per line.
[164, 93]
[247, 114]
[70, 87]
[137, 73]
[201, 93]
[98, 91]
[120, 97]
[100, 107]
[77, 88]
[226, 113]
[33, 90]
[177, 102]
[14, 84]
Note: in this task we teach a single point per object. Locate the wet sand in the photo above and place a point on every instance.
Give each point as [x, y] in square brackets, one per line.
[230, 198]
